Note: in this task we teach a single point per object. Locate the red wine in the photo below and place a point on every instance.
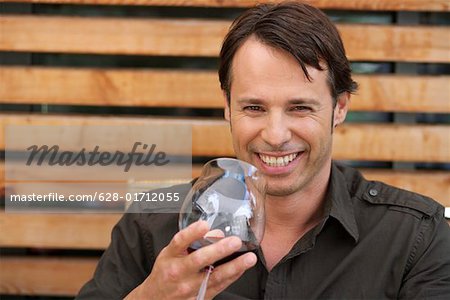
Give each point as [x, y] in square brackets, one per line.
[245, 248]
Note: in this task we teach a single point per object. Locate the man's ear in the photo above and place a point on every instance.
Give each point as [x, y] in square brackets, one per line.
[226, 110]
[340, 111]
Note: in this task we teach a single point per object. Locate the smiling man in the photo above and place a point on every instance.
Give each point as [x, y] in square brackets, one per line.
[282, 122]
[329, 232]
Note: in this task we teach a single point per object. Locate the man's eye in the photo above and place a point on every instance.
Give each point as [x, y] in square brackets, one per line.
[301, 108]
[253, 108]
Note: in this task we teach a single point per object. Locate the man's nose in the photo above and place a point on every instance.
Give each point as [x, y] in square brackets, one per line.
[276, 131]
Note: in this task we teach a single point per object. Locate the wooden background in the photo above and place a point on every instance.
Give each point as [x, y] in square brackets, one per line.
[106, 62]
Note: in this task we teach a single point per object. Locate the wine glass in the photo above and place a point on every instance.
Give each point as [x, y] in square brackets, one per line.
[229, 195]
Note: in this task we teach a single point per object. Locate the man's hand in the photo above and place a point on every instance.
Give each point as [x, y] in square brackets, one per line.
[178, 275]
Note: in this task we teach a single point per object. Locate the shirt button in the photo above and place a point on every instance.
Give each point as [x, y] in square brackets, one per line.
[373, 192]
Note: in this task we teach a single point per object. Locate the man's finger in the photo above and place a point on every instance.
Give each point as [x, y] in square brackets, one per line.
[182, 239]
[228, 273]
[208, 255]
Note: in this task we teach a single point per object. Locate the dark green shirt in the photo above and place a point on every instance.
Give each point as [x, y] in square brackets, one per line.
[376, 242]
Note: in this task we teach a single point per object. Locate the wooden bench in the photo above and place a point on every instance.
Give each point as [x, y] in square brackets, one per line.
[57, 273]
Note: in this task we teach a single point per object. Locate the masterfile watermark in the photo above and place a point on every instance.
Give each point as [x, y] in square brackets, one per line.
[54, 156]
[47, 168]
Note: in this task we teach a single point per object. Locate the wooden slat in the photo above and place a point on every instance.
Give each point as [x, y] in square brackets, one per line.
[112, 35]
[402, 93]
[44, 276]
[198, 89]
[408, 5]
[426, 143]
[392, 142]
[396, 43]
[57, 231]
[110, 87]
[203, 38]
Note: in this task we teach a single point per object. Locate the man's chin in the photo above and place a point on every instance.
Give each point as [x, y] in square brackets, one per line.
[282, 190]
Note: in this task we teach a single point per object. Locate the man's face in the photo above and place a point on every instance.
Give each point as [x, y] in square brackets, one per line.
[281, 122]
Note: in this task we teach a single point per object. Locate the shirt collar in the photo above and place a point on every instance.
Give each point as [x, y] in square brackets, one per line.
[338, 197]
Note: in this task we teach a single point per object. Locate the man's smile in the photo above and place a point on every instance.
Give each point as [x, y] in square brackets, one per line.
[277, 161]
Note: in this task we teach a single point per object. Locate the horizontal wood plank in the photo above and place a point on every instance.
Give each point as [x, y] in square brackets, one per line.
[198, 89]
[384, 142]
[396, 43]
[407, 5]
[203, 38]
[379, 142]
[112, 35]
[402, 93]
[110, 87]
[57, 231]
[44, 275]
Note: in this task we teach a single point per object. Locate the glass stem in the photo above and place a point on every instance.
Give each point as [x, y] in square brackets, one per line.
[202, 290]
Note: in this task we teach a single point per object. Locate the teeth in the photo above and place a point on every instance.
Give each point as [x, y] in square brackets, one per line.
[280, 161]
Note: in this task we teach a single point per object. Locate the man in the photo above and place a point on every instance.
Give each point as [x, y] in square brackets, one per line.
[329, 232]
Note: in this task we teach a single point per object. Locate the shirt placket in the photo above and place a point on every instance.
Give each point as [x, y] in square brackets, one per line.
[276, 282]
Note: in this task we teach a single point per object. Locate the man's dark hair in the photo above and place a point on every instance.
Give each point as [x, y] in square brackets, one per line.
[300, 29]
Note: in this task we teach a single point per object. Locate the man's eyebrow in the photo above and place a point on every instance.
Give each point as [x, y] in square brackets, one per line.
[310, 101]
[250, 101]
[296, 101]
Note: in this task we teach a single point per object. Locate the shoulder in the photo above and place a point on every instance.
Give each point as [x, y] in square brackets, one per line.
[376, 193]
[379, 193]
[406, 221]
